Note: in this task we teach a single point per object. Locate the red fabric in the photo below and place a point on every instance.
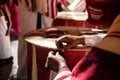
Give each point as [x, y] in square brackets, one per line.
[51, 8]
[15, 29]
[97, 65]
[60, 1]
[72, 57]
[102, 11]
[88, 25]
[65, 22]
[65, 68]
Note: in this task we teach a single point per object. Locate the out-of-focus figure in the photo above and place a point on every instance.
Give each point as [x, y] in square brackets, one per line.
[27, 10]
[6, 59]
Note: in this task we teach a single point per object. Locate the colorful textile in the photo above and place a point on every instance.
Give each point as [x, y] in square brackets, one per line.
[51, 8]
[104, 12]
[15, 29]
[97, 65]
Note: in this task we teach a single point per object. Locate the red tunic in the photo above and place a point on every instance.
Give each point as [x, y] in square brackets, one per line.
[97, 65]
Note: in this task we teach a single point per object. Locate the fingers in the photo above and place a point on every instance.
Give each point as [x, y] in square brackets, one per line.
[55, 54]
[63, 41]
[59, 45]
[55, 61]
[73, 44]
[52, 61]
[50, 54]
[67, 44]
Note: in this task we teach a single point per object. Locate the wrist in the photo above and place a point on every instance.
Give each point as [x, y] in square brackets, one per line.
[62, 65]
[79, 39]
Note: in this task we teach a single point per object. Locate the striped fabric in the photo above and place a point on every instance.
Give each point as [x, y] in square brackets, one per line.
[64, 73]
[51, 8]
[41, 6]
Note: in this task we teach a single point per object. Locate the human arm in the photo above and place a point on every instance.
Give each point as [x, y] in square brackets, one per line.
[55, 61]
[74, 41]
[64, 71]
[58, 64]
[70, 41]
[91, 40]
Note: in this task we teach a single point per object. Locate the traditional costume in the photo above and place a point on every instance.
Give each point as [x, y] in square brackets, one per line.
[103, 61]
[6, 58]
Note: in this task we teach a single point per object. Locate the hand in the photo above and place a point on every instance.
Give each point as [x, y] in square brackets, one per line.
[71, 41]
[55, 62]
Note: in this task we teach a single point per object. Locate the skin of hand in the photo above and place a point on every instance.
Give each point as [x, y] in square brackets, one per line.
[71, 41]
[55, 62]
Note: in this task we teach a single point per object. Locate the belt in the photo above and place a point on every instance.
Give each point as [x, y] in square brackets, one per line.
[6, 61]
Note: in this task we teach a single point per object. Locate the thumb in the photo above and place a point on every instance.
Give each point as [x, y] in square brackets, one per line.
[50, 54]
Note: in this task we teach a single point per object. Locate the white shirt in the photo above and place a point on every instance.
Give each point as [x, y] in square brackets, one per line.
[5, 47]
[91, 40]
[77, 5]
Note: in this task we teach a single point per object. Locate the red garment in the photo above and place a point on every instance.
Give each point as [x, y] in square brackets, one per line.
[51, 8]
[102, 11]
[97, 65]
[14, 18]
[60, 1]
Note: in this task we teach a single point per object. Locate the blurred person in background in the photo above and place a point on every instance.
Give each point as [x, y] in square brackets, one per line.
[55, 6]
[6, 59]
[15, 28]
[27, 11]
[48, 17]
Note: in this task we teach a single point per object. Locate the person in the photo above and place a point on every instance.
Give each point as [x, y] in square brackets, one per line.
[14, 32]
[6, 59]
[48, 17]
[55, 6]
[15, 28]
[27, 23]
[102, 62]
[27, 12]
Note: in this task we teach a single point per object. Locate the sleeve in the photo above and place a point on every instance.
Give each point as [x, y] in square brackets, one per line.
[64, 73]
[91, 40]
